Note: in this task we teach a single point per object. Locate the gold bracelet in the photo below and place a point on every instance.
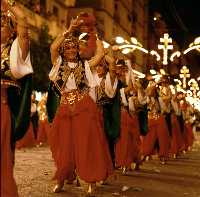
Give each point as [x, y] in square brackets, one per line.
[11, 2]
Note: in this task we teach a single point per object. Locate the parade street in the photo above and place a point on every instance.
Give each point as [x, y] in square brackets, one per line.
[178, 178]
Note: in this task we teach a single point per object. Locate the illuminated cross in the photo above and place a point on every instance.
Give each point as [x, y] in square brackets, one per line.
[165, 46]
[193, 86]
[184, 74]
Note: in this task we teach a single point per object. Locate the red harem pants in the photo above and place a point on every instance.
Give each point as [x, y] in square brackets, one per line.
[188, 136]
[137, 143]
[28, 140]
[8, 184]
[43, 130]
[78, 143]
[157, 131]
[177, 143]
[124, 145]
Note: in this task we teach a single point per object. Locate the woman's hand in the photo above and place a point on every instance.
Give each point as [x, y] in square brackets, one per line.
[74, 24]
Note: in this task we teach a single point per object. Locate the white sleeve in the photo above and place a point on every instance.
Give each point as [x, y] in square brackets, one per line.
[92, 93]
[128, 77]
[54, 71]
[19, 67]
[142, 98]
[123, 97]
[89, 75]
[131, 104]
[175, 107]
[109, 89]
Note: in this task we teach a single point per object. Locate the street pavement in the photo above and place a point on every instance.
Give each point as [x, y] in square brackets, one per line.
[180, 177]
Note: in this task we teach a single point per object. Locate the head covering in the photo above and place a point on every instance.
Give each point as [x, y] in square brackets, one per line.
[89, 19]
[69, 41]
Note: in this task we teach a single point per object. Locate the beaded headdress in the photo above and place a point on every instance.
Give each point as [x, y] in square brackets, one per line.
[69, 42]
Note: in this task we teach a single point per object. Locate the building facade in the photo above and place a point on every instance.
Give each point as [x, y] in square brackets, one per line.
[124, 18]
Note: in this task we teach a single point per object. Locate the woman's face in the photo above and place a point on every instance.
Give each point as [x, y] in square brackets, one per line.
[70, 52]
[120, 72]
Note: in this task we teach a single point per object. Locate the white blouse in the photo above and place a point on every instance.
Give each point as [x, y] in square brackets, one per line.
[110, 89]
[19, 67]
[71, 83]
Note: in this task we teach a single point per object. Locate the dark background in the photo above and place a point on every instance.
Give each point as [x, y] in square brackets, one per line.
[183, 21]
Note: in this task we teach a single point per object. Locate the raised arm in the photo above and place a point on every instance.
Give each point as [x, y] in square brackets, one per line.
[98, 56]
[151, 86]
[60, 38]
[111, 64]
[22, 26]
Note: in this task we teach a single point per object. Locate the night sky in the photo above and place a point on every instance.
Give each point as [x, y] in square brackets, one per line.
[183, 21]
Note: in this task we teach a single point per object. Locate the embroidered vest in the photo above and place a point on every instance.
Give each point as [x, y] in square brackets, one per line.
[101, 97]
[153, 105]
[64, 73]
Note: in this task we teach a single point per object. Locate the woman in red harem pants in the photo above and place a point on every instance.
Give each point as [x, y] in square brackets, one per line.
[188, 136]
[76, 138]
[136, 101]
[188, 132]
[15, 66]
[157, 128]
[137, 143]
[124, 146]
[177, 143]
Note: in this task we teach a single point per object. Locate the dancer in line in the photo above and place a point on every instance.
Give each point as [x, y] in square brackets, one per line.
[16, 75]
[76, 138]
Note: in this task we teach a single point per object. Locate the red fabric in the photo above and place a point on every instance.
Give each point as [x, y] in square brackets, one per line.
[28, 140]
[188, 136]
[78, 142]
[177, 143]
[157, 130]
[137, 143]
[124, 146]
[8, 185]
[42, 136]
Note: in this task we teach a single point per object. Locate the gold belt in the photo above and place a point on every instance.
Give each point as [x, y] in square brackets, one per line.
[9, 83]
[153, 115]
[72, 97]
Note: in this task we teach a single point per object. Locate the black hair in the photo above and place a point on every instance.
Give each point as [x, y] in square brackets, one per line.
[121, 61]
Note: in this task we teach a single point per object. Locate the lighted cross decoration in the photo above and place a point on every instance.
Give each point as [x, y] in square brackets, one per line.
[165, 46]
[185, 73]
[193, 86]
